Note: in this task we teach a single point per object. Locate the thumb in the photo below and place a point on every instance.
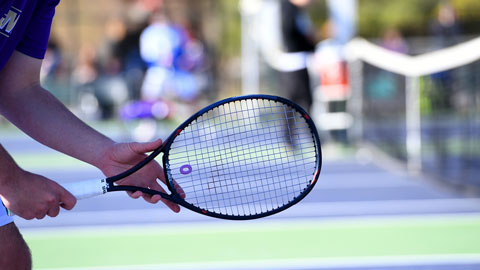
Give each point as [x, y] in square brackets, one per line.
[67, 200]
[141, 148]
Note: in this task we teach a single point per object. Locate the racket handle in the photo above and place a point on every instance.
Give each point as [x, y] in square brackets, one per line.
[83, 189]
[86, 189]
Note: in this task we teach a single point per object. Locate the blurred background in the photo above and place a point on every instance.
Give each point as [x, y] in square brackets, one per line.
[393, 87]
[145, 63]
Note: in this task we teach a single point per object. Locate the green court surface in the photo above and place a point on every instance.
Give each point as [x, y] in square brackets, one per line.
[254, 241]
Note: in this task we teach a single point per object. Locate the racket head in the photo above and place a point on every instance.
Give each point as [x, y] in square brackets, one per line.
[244, 157]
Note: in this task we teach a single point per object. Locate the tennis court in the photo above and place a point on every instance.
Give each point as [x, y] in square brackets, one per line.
[402, 195]
[269, 243]
[360, 216]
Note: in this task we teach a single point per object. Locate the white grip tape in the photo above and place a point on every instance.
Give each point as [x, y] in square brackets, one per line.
[86, 189]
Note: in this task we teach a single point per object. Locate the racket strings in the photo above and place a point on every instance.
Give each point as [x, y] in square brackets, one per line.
[213, 137]
[235, 197]
[253, 191]
[247, 157]
[232, 153]
[190, 135]
[226, 185]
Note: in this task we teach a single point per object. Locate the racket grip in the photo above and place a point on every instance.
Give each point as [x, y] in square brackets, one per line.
[86, 189]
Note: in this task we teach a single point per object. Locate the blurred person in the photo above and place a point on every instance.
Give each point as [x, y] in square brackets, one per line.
[333, 90]
[54, 74]
[172, 56]
[330, 63]
[175, 61]
[446, 32]
[51, 61]
[444, 26]
[159, 42]
[393, 40]
[298, 40]
[25, 30]
[98, 81]
[83, 77]
[120, 54]
[85, 70]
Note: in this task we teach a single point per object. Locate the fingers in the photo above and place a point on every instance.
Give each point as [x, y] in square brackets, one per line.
[141, 148]
[156, 198]
[67, 200]
[160, 173]
[135, 195]
[53, 211]
[179, 189]
[49, 206]
[34, 196]
[176, 186]
[59, 197]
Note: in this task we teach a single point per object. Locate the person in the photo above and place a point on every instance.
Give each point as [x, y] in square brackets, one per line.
[298, 39]
[24, 31]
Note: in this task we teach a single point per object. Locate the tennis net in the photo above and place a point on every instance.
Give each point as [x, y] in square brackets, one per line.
[423, 110]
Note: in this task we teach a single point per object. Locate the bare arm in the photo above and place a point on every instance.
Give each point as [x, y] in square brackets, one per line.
[40, 115]
[30, 195]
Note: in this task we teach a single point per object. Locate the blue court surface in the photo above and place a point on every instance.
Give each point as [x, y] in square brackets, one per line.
[373, 204]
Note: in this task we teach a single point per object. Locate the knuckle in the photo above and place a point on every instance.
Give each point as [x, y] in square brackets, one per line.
[54, 213]
[51, 199]
[41, 209]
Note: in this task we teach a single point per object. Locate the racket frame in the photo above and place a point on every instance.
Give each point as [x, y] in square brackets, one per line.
[165, 148]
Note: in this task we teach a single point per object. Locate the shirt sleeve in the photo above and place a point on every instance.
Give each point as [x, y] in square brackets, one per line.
[35, 40]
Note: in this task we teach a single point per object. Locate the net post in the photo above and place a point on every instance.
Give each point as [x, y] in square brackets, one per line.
[413, 125]
[355, 104]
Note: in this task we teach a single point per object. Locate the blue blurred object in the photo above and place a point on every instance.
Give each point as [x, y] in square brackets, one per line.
[175, 61]
[145, 109]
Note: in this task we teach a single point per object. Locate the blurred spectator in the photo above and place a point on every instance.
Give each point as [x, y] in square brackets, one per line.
[383, 87]
[298, 39]
[54, 73]
[84, 74]
[51, 60]
[445, 27]
[445, 32]
[173, 57]
[331, 65]
[85, 71]
[176, 71]
[393, 41]
[333, 90]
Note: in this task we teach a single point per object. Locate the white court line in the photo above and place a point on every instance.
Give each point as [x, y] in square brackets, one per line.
[248, 226]
[302, 210]
[292, 264]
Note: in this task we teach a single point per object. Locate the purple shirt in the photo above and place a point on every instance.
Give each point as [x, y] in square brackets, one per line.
[25, 27]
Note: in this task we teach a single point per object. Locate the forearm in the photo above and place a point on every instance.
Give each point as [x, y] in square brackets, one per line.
[30, 195]
[40, 115]
[8, 168]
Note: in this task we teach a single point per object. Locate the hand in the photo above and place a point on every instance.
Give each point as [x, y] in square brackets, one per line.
[122, 156]
[31, 196]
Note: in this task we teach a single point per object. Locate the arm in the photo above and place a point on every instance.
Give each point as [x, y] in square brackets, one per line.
[29, 195]
[36, 112]
[40, 115]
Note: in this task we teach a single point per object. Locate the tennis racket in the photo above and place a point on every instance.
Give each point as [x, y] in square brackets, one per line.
[240, 158]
